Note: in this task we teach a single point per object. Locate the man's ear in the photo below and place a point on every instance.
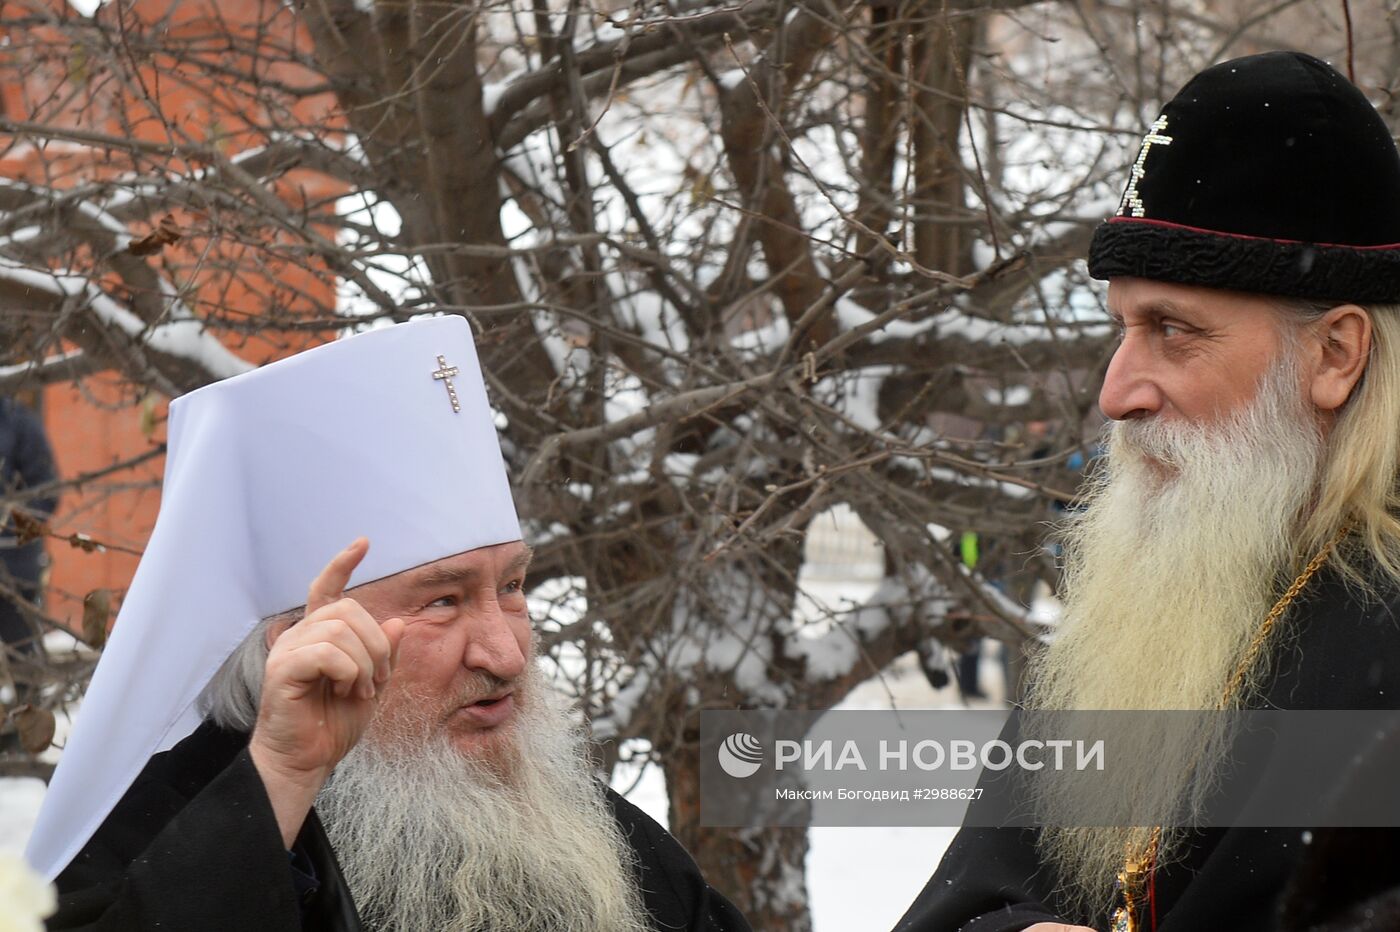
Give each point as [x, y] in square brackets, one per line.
[278, 626]
[1343, 349]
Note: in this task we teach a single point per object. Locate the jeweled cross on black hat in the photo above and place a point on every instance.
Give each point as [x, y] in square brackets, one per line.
[1269, 174]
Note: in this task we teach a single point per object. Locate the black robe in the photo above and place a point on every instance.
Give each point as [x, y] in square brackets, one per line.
[193, 846]
[1338, 651]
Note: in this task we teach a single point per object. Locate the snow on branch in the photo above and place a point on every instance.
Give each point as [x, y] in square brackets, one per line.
[722, 630]
[182, 337]
[854, 644]
[658, 46]
[60, 367]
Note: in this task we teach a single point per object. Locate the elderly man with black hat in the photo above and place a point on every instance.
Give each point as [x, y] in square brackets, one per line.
[1239, 547]
[378, 751]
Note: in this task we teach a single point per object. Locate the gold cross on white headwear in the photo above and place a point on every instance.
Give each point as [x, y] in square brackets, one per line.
[1155, 137]
[444, 374]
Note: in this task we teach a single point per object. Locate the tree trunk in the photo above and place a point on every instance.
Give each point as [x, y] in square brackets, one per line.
[880, 131]
[415, 104]
[761, 870]
[943, 45]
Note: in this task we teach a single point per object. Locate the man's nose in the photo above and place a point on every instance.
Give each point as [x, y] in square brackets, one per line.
[1129, 391]
[494, 644]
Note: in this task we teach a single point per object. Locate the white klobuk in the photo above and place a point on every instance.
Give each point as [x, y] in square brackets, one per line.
[267, 476]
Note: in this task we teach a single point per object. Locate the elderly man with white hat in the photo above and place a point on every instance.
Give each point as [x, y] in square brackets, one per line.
[377, 751]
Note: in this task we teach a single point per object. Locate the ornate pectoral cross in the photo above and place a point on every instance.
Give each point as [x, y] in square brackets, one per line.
[1133, 881]
[1156, 136]
[444, 374]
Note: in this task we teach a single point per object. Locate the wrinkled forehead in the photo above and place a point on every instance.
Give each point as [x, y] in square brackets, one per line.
[481, 564]
[1142, 298]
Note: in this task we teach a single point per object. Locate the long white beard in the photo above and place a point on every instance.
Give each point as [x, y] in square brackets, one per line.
[431, 840]
[1167, 577]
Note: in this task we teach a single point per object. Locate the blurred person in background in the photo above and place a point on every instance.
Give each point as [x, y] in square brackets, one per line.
[26, 475]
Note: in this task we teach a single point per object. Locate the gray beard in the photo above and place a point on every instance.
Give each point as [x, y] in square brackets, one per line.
[1166, 582]
[431, 840]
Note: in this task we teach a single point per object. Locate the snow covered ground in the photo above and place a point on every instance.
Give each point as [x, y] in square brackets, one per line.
[864, 878]
[19, 802]
[20, 798]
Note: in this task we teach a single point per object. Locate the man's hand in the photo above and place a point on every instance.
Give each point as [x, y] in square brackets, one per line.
[1056, 927]
[323, 677]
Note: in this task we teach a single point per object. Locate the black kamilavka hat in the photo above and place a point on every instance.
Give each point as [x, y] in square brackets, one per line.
[1270, 174]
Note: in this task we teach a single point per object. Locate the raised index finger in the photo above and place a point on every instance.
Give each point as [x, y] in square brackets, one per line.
[329, 586]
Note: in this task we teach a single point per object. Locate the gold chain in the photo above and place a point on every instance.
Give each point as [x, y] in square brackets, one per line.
[1267, 625]
[1139, 862]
